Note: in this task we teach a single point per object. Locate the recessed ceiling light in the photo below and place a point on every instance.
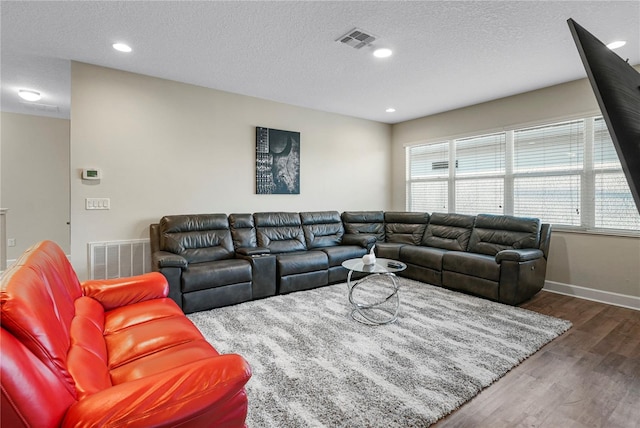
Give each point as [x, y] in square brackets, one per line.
[390, 110]
[122, 47]
[382, 53]
[29, 95]
[617, 44]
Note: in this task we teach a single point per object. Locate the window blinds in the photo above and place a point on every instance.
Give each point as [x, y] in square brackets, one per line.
[564, 173]
[547, 163]
[613, 204]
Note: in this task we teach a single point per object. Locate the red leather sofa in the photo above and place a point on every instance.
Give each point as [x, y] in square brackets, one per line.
[107, 353]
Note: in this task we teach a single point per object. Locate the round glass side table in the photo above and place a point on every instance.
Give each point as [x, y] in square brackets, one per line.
[374, 298]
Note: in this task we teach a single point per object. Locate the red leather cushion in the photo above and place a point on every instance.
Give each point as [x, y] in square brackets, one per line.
[127, 316]
[140, 340]
[87, 358]
[162, 360]
[32, 395]
[30, 314]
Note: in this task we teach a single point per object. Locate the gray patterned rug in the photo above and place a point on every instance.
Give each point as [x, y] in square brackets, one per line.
[314, 366]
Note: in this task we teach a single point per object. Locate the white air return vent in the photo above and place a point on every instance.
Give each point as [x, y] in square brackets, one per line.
[116, 259]
[357, 38]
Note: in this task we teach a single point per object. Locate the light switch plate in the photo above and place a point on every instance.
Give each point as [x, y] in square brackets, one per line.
[98, 204]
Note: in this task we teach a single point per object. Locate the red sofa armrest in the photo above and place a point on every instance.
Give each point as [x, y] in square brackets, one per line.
[114, 293]
[195, 394]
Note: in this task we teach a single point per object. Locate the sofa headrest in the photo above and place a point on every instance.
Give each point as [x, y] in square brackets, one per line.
[448, 231]
[363, 216]
[494, 233]
[322, 228]
[277, 219]
[452, 219]
[320, 217]
[193, 223]
[406, 217]
[198, 237]
[405, 227]
[280, 232]
[241, 221]
[364, 222]
[243, 230]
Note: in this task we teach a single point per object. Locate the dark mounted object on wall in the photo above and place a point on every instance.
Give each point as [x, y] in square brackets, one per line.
[616, 85]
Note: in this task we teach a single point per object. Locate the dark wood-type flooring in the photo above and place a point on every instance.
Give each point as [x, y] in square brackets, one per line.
[588, 377]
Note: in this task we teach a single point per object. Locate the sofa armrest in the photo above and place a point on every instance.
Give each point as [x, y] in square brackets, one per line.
[114, 293]
[182, 395]
[253, 251]
[523, 255]
[161, 259]
[362, 239]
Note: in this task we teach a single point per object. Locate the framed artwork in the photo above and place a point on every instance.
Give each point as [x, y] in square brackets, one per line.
[277, 162]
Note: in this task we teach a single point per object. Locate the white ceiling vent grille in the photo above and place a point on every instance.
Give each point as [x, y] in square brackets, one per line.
[357, 38]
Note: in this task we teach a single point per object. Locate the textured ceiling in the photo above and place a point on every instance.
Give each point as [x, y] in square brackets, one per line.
[447, 54]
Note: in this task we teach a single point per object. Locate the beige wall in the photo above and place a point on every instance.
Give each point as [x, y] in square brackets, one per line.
[168, 148]
[171, 148]
[599, 262]
[35, 180]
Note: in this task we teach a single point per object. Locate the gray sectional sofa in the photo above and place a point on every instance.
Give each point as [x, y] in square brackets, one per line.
[214, 260]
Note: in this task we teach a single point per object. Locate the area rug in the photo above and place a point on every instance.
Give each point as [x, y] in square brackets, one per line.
[314, 366]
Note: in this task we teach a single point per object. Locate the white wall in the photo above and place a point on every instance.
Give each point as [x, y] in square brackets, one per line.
[35, 180]
[604, 263]
[170, 148]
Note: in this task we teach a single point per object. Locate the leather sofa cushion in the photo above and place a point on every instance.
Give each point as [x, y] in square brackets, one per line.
[366, 222]
[201, 276]
[389, 250]
[448, 231]
[194, 350]
[423, 256]
[40, 317]
[140, 340]
[494, 233]
[243, 230]
[471, 264]
[405, 227]
[322, 228]
[197, 238]
[302, 262]
[280, 232]
[88, 348]
[341, 253]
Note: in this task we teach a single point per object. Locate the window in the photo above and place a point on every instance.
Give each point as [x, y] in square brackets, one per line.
[564, 173]
[480, 174]
[428, 172]
[613, 203]
[547, 167]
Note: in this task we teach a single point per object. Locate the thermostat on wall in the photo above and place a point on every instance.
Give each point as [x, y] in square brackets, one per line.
[91, 174]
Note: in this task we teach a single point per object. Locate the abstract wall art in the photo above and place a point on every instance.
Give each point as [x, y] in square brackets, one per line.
[277, 162]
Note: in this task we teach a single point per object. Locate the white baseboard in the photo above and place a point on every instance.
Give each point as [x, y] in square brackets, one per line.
[608, 297]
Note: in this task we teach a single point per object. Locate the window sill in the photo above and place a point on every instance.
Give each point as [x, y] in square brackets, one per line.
[621, 233]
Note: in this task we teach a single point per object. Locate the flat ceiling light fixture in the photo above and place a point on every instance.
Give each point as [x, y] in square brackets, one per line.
[382, 53]
[390, 110]
[617, 44]
[122, 47]
[29, 95]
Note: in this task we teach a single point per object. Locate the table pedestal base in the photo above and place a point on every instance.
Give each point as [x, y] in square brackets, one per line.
[382, 301]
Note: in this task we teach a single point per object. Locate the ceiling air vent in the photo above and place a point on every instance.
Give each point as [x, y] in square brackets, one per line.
[357, 38]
